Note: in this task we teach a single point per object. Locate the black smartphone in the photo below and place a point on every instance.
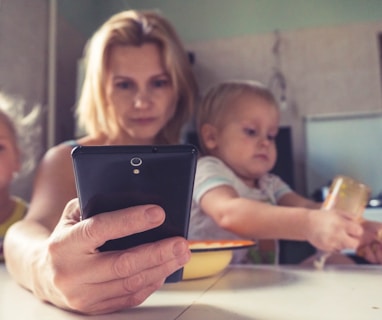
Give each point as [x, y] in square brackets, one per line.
[109, 178]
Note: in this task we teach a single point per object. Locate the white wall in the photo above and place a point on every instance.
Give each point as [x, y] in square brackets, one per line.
[23, 60]
[344, 145]
[327, 70]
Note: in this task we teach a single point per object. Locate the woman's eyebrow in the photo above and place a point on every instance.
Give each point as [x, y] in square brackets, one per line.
[121, 77]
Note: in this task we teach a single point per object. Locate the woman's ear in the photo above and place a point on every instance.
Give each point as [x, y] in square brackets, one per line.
[209, 134]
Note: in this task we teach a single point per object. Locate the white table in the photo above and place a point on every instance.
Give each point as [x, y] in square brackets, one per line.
[374, 214]
[240, 293]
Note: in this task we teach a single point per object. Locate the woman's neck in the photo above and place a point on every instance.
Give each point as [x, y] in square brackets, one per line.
[103, 140]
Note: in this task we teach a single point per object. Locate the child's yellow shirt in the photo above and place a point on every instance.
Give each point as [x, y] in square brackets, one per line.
[17, 214]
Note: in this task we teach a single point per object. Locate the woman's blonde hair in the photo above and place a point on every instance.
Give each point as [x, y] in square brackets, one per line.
[135, 28]
[221, 96]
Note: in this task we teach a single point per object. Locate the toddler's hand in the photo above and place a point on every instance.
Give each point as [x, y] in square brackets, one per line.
[333, 230]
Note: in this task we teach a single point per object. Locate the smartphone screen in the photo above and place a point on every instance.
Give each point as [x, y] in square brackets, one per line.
[109, 178]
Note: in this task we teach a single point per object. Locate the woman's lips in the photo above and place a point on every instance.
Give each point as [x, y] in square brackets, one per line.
[144, 121]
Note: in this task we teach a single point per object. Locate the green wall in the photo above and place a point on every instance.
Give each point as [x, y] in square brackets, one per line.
[211, 19]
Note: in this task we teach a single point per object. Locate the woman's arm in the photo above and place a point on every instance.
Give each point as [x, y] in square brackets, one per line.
[66, 269]
[53, 188]
[60, 262]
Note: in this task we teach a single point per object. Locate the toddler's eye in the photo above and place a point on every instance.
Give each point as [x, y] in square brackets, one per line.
[271, 137]
[249, 131]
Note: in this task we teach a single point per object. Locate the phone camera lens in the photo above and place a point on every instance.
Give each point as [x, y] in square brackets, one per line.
[136, 162]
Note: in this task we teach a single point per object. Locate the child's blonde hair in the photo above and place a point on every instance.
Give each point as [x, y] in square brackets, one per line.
[6, 120]
[220, 97]
[25, 130]
[135, 28]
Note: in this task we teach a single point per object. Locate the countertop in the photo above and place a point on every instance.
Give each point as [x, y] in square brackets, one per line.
[239, 292]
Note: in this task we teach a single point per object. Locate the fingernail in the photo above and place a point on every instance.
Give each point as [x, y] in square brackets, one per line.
[181, 252]
[179, 248]
[154, 214]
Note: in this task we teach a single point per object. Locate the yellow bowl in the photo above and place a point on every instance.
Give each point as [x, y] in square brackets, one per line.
[211, 257]
[205, 264]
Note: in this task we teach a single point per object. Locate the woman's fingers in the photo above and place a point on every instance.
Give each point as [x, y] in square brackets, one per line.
[131, 286]
[162, 258]
[103, 306]
[96, 230]
[90, 281]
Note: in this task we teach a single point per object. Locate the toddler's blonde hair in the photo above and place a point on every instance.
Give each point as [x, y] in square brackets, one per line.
[221, 96]
[25, 128]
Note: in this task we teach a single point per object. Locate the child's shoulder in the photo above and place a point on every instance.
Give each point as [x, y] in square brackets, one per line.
[271, 178]
[211, 163]
[212, 166]
[210, 160]
[18, 213]
[273, 182]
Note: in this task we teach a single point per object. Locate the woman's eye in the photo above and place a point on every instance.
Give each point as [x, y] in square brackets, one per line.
[160, 83]
[124, 85]
[249, 131]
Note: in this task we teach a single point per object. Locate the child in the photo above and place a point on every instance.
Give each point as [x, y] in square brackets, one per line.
[20, 146]
[12, 208]
[235, 196]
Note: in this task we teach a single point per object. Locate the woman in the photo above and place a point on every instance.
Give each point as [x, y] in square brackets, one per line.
[138, 89]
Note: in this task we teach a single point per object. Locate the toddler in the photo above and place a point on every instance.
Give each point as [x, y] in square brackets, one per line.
[236, 196]
[12, 207]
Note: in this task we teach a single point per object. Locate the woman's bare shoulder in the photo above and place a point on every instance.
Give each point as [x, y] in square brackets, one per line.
[58, 155]
[54, 186]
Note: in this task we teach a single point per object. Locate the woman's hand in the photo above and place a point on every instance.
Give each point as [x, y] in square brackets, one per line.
[73, 275]
[371, 243]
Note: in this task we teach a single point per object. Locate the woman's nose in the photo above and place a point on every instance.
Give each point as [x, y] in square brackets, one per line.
[141, 100]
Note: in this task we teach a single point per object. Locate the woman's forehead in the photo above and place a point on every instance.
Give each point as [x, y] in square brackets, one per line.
[136, 60]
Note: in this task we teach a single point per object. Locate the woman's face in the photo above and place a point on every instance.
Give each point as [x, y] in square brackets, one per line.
[140, 91]
[9, 159]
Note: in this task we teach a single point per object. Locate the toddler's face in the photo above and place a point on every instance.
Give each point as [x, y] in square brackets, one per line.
[245, 140]
[9, 160]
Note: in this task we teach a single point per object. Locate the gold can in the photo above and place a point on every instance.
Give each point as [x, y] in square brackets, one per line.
[347, 194]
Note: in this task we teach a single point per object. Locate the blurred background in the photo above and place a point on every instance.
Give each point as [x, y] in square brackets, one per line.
[321, 58]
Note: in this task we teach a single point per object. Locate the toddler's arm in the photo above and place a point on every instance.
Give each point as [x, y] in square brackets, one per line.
[326, 230]
[293, 199]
